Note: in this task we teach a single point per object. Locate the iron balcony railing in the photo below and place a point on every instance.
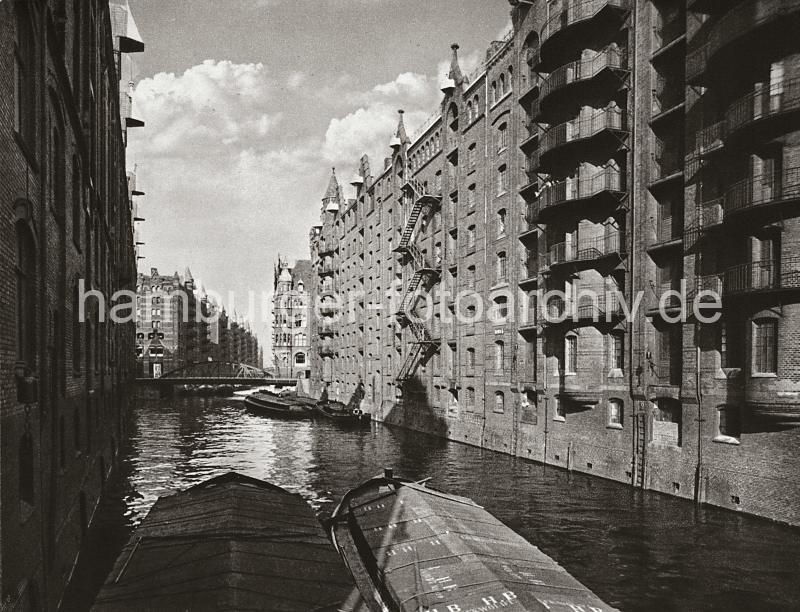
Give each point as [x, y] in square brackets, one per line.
[575, 12]
[610, 58]
[586, 250]
[579, 188]
[763, 189]
[599, 309]
[710, 213]
[711, 283]
[763, 102]
[583, 127]
[763, 275]
[709, 139]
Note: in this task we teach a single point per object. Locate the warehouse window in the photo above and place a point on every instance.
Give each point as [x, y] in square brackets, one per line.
[26, 283]
[571, 355]
[765, 346]
[499, 402]
[501, 222]
[25, 100]
[615, 413]
[499, 355]
[729, 426]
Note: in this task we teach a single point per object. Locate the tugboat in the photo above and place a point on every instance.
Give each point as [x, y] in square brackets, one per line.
[340, 412]
[230, 543]
[411, 548]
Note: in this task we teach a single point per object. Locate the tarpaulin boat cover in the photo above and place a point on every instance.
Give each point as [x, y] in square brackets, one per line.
[230, 543]
[441, 553]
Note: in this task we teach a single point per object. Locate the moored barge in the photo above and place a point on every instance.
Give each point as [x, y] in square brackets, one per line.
[411, 548]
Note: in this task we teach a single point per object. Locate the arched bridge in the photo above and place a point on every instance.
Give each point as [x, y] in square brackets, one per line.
[217, 373]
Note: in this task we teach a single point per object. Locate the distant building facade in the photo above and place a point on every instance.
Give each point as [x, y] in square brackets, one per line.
[178, 325]
[67, 223]
[291, 340]
[615, 147]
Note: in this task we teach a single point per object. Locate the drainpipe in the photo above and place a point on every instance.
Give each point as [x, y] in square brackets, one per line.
[630, 230]
[699, 493]
[486, 136]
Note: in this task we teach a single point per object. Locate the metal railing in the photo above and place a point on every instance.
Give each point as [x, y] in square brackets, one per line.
[583, 70]
[608, 179]
[583, 127]
[710, 213]
[709, 138]
[586, 250]
[575, 12]
[762, 102]
[763, 189]
[763, 275]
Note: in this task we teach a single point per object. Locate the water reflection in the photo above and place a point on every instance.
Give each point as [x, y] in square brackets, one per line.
[637, 550]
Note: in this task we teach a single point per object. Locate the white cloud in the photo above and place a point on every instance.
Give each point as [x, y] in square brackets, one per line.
[209, 104]
[369, 128]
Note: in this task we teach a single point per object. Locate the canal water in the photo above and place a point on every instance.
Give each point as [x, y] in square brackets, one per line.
[637, 550]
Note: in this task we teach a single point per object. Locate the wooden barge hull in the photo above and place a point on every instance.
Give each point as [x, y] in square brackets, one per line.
[230, 543]
[411, 548]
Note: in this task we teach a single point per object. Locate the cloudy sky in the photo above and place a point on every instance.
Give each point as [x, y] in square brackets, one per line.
[249, 103]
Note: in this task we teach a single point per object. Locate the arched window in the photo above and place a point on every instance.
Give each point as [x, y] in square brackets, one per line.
[25, 56]
[501, 266]
[471, 237]
[502, 86]
[470, 358]
[26, 476]
[502, 179]
[617, 351]
[501, 222]
[499, 402]
[499, 355]
[26, 302]
[570, 355]
[494, 92]
[469, 110]
[500, 308]
[470, 398]
[471, 271]
[300, 359]
[615, 413]
[502, 137]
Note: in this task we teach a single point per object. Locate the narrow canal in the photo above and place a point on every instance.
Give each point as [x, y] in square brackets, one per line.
[636, 550]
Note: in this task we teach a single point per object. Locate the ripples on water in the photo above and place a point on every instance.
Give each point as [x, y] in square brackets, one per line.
[637, 550]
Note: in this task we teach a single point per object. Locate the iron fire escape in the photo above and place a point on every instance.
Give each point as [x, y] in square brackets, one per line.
[425, 274]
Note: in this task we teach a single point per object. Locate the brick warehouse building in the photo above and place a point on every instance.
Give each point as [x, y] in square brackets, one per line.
[178, 325]
[614, 146]
[290, 319]
[66, 215]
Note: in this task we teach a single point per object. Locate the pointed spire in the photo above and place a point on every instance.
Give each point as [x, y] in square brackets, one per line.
[401, 129]
[188, 274]
[333, 187]
[400, 137]
[332, 197]
[455, 70]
